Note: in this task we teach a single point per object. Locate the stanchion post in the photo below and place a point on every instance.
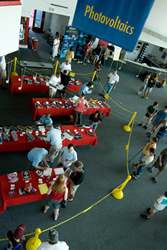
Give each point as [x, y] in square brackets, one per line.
[94, 73]
[117, 192]
[57, 63]
[127, 127]
[14, 71]
[34, 242]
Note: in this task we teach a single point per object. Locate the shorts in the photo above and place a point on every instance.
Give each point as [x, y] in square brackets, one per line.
[97, 56]
[56, 204]
[73, 189]
[154, 210]
[160, 168]
[155, 124]
[148, 90]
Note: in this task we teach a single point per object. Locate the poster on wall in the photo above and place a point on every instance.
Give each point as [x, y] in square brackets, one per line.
[21, 33]
[70, 39]
[110, 22]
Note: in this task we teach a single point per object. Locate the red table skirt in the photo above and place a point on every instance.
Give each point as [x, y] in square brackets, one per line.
[60, 111]
[16, 84]
[22, 144]
[18, 199]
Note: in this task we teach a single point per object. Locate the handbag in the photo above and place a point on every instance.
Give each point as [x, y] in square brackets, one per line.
[64, 203]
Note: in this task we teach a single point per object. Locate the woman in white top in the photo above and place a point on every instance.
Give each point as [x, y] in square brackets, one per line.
[55, 48]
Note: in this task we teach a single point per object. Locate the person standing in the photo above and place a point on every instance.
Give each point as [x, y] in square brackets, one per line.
[65, 79]
[151, 112]
[36, 156]
[65, 66]
[162, 132]
[151, 84]
[143, 163]
[55, 48]
[80, 105]
[76, 178]
[45, 119]
[53, 83]
[142, 89]
[16, 238]
[97, 52]
[2, 72]
[56, 193]
[95, 119]
[159, 205]
[112, 81]
[70, 55]
[86, 51]
[53, 242]
[97, 69]
[160, 164]
[67, 156]
[158, 120]
[54, 137]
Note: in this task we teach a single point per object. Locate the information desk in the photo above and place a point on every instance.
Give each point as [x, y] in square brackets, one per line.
[22, 144]
[61, 111]
[17, 199]
[18, 87]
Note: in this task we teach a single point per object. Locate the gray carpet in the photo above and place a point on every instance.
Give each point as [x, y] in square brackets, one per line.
[111, 224]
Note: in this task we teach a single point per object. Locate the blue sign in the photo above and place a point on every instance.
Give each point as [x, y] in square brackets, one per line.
[115, 21]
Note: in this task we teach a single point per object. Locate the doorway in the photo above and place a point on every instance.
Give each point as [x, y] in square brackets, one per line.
[38, 20]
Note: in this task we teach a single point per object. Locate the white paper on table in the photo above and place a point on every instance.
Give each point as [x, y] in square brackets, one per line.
[74, 98]
[59, 171]
[47, 172]
[60, 87]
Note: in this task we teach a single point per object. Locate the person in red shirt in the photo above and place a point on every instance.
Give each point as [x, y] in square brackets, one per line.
[86, 50]
[81, 105]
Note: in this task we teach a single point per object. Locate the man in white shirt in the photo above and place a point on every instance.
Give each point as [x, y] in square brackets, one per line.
[112, 81]
[2, 71]
[65, 66]
[55, 48]
[54, 137]
[143, 163]
[67, 156]
[159, 205]
[53, 242]
[53, 83]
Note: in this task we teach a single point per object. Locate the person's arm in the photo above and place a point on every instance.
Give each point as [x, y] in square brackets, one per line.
[115, 85]
[69, 163]
[70, 180]
[148, 113]
[108, 78]
[59, 158]
[52, 85]
[45, 161]
[66, 194]
[154, 116]
[87, 105]
[160, 160]
[41, 168]
[140, 164]
[50, 189]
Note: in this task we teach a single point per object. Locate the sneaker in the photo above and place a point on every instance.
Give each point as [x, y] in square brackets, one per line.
[144, 216]
[146, 97]
[88, 61]
[134, 176]
[154, 180]
[139, 124]
[150, 169]
[148, 209]
[84, 63]
[145, 127]
[139, 93]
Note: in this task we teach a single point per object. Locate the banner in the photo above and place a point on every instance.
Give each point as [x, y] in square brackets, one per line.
[115, 21]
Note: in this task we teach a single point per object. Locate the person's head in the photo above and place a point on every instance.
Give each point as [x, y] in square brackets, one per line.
[70, 148]
[165, 109]
[97, 113]
[71, 48]
[49, 126]
[53, 236]
[59, 185]
[78, 166]
[155, 104]
[152, 151]
[83, 96]
[165, 194]
[67, 62]
[65, 72]
[154, 140]
[57, 33]
[47, 116]
[114, 72]
[58, 74]
[89, 84]
[103, 45]
[19, 232]
[49, 30]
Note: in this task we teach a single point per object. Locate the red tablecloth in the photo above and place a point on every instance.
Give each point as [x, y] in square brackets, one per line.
[22, 144]
[15, 84]
[18, 199]
[61, 111]
[26, 87]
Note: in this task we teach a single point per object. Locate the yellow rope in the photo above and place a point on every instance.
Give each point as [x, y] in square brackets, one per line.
[10, 61]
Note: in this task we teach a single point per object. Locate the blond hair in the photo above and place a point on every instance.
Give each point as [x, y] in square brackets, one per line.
[59, 185]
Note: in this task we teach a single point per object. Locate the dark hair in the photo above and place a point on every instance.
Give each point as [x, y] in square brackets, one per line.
[152, 150]
[98, 62]
[57, 33]
[48, 114]
[165, 107]
[83, 94]
[72, 48]
[155, 103]
[165, 194]
[97, 112]
[65, 72]
[155, 139]
[70, 145]
[58, 74]
[89, 84]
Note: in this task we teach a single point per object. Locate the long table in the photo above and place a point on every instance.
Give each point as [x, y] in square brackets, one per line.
[22, 144]
[61, 111]
[17, 199]
[18, 87]
[37, 65]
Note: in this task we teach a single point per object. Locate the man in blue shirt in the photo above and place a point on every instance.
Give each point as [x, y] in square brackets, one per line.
[37, 155]
[67, 156]
[46, 119]
[84, 89]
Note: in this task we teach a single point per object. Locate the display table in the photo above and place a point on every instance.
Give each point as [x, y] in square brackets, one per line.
[37, 65]
[61, 111]
[17, 199]
[17, 87]
[22, 144]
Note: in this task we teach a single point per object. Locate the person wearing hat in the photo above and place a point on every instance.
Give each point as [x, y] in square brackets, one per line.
[16, 237]
[76, 178]
[53, 242]
[55, 48]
